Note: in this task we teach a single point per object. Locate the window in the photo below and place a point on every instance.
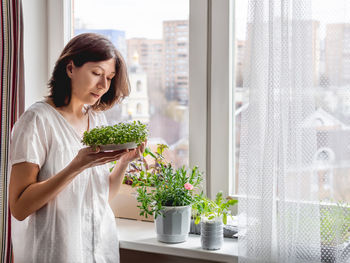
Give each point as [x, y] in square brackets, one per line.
[240, 93]
[139, 108]
[181, 39]
[138, 86]
[330, 72]
[208, 127]
[145, 45]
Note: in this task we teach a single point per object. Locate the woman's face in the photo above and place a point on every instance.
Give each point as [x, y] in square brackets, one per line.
[91, 80]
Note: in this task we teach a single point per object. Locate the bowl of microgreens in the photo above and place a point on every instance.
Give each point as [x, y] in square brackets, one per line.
[124, 135]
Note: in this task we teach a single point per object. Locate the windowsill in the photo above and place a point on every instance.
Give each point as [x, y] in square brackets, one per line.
[141, 236]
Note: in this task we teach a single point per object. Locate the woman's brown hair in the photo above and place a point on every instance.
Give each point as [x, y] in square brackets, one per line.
[89, 47]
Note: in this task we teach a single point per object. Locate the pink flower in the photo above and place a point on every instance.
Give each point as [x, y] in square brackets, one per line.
[188, 186]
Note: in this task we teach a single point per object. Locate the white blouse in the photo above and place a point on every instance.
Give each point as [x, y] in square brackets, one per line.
[78, 225]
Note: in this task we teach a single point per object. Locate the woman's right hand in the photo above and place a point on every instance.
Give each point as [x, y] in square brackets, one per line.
[90, 157]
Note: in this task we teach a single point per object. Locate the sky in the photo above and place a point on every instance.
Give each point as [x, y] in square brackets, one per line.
[143, 18]
[138, 18]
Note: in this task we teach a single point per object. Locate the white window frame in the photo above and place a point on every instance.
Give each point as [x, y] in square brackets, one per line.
[60, 25]
[47, 29]
[210, 70]
[211, 126]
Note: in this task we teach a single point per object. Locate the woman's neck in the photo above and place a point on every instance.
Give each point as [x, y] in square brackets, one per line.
[74, 108]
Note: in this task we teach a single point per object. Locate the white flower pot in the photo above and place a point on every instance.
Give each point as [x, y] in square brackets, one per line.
[173, 224]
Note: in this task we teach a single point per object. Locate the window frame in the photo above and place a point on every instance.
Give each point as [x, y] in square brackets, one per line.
[59, 13]
[50, 27]
[211, 134]
[211, 87]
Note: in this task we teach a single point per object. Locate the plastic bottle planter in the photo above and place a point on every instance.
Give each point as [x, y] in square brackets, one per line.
[212, 233]
[173, 224]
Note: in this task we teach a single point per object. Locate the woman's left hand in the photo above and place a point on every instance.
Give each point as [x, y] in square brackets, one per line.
[132, 155]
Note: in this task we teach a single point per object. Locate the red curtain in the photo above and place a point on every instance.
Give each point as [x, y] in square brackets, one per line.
[11, 105]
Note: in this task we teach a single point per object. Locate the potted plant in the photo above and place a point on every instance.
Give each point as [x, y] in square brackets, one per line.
[212, 215]
[335, 232]
[170, 201]
[139, 172]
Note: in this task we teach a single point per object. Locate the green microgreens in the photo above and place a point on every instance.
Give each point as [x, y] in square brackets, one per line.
[117, 134]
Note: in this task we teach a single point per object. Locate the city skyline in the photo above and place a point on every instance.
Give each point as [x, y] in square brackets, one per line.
[164, 60]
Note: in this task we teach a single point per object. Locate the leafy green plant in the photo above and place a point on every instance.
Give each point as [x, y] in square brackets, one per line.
[170, 187]
[212, 209]
[158, 184]
[141, 172]
[117, 134]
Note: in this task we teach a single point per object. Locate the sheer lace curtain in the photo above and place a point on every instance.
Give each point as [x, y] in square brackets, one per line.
[295, 132]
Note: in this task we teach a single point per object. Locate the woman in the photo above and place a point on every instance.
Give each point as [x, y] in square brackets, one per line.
[59, 190]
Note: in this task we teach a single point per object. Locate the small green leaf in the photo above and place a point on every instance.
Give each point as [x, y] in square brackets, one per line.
[232, 202]
[224, 218]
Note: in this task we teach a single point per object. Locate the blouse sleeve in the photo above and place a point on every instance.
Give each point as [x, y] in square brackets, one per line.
[29, 140]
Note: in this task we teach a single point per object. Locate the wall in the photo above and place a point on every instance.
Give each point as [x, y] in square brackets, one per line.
[35, 50]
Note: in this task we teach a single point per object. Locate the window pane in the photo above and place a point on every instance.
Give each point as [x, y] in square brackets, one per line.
[240, 93]
[331, 76]
[331, 50]
[153, 39]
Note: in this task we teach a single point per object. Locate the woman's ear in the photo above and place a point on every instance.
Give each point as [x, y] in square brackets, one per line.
[69, 69]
